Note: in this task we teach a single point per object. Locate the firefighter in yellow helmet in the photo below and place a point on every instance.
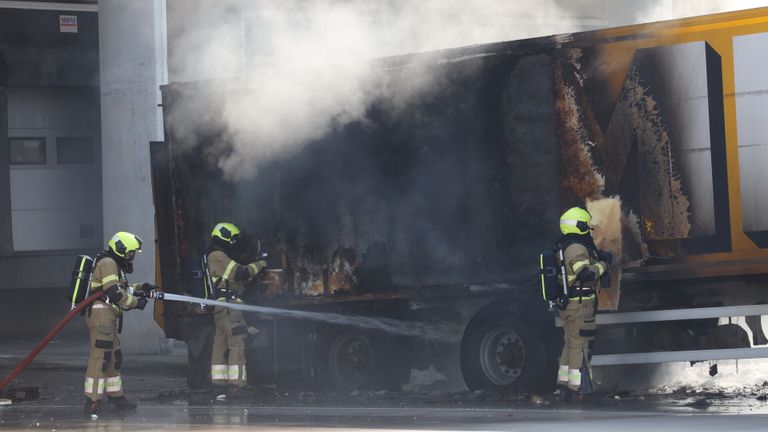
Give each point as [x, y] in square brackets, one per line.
[584, 266]
[104, 318]
[228, 277]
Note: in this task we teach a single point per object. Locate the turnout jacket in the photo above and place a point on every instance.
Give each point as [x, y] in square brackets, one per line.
[228, 275]
[583, 269]
[108, 277]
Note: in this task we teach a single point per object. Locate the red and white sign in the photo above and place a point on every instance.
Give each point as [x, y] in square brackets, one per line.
[68, 23]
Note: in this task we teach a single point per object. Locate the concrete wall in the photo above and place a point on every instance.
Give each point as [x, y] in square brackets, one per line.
[5, 177]
[132, 66]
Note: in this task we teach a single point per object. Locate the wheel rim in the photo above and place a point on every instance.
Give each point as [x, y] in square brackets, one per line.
[352, 361]
[502, 356]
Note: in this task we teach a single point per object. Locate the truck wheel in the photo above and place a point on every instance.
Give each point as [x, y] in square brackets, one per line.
[352, 361]
[499, 353]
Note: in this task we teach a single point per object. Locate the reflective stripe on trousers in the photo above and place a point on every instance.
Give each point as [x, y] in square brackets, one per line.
[237, 373]
[98, 386]
[574, 378]
[114, 384]
[219, 372]
[94, 386]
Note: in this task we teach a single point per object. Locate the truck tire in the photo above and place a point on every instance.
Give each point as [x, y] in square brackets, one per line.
[366, 361]
[353, 361]
[499, 353]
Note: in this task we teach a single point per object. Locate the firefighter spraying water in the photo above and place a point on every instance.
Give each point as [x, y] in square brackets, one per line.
[438, 332]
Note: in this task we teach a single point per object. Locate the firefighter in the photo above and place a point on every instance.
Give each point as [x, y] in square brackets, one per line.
[228, 277]
[104, 320]
[584, 266]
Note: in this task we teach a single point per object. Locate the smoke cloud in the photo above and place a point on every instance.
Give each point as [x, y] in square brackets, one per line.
[307, 58]
[669, 9]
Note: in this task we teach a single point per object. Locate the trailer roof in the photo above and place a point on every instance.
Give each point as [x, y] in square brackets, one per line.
[522, 47]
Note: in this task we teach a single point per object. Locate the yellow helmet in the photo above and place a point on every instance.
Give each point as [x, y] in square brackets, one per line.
[575, 221]
[225, 231]
[123, 242]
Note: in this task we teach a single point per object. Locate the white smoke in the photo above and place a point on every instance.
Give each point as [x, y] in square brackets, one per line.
[231, 37]
[671, 9]
[731, 374]
[290, 109]
[308, 57]
[310, 60]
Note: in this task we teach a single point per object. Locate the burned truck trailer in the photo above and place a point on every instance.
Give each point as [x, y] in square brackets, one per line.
[425, 192]
[412, 215]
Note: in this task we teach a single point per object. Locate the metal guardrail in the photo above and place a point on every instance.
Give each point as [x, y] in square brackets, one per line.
[679, 356]
[677, 315]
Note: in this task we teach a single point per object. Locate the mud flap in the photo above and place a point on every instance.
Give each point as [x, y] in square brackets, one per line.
[118, 359]
[197, 331]
[586, 381]
[754, 324]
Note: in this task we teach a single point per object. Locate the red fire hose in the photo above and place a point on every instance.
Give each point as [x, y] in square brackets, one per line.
[54, 331]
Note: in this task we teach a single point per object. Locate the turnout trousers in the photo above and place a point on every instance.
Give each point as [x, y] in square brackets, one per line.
[105, 360]
[579, 330]
[228, 353]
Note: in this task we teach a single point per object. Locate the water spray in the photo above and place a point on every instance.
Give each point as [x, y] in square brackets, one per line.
[440, 332]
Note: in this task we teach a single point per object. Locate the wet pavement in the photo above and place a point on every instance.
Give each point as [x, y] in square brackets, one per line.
[158, 384]
[296, 418]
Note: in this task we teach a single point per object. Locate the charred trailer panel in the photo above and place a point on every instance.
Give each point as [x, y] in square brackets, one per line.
[434, 202]
[427, 195]
[451, 188]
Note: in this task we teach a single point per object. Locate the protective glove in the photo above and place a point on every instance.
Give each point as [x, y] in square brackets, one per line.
[147, 287]
[141, 303]
[147, 290]
[255, 267]
[607, 258]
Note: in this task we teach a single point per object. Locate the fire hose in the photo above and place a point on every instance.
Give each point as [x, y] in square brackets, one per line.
[417, 329]
[54, 331]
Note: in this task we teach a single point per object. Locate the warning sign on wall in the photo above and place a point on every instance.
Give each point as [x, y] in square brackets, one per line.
[68, 23]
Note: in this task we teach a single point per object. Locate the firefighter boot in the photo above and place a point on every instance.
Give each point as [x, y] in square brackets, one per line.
[220, 393]
[587, 399]
[121, 403]
[235, 393]
[564, 394]
[93, 408]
